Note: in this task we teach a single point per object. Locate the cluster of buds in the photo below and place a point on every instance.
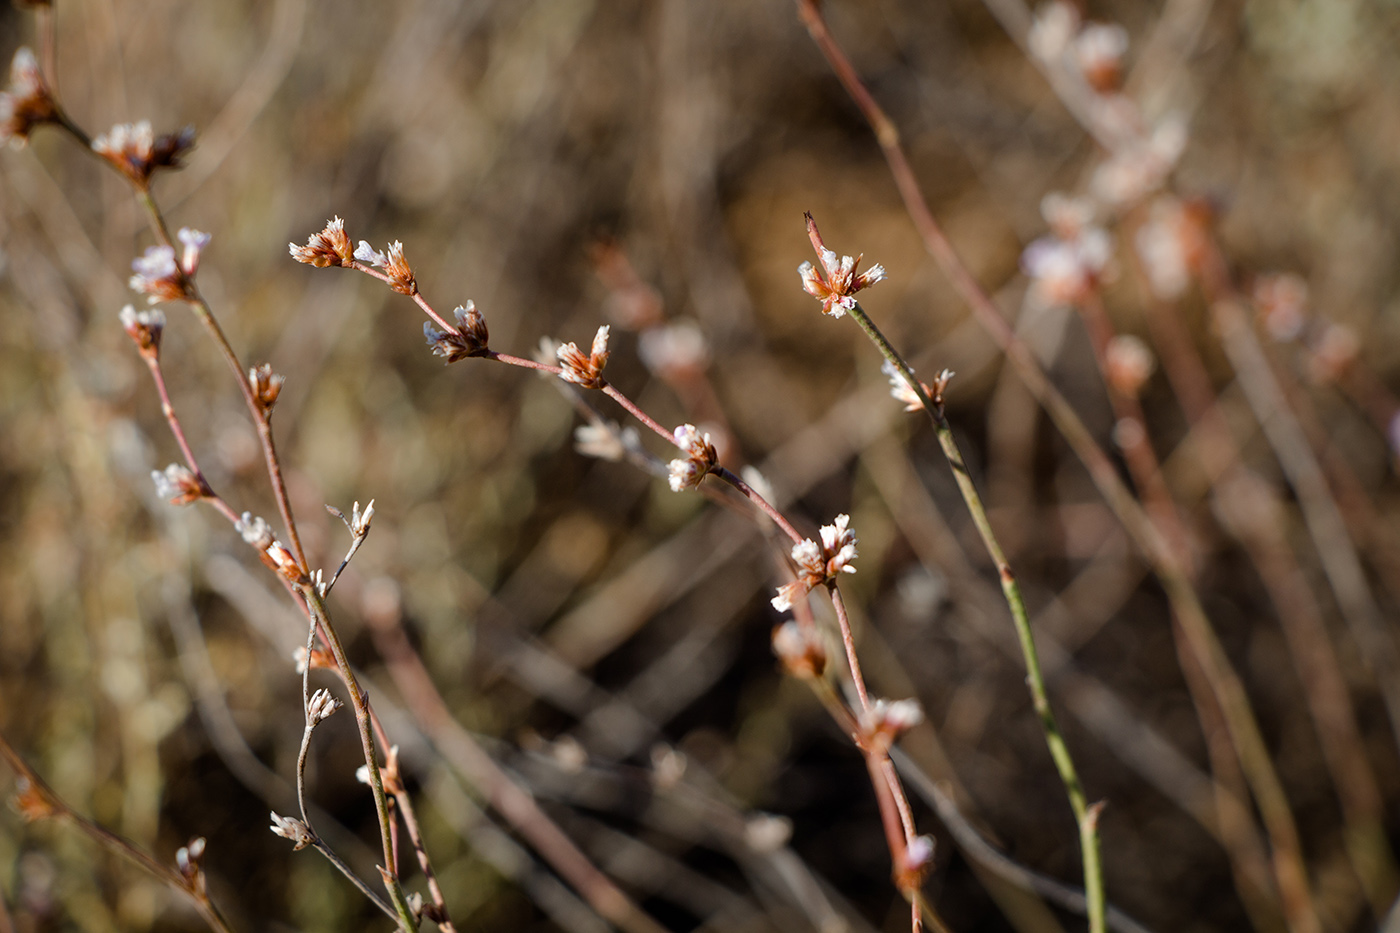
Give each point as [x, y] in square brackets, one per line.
[134, 150]
[903, 392]
[144, 327]
[358, 522]
[274, 554]
[1059, 38]
[394, 266]
[291, 828]
[266, 386]
[700, 457]
[1068, 265]
[837, 288]
[586, 371]
[799, 647]
[330, 247]
[26, 102]
[160, 278]
[321, 707]
[818, 564]
[467, 339]
[884, 721]
[388, 773]
[179, 485]
[190, 862]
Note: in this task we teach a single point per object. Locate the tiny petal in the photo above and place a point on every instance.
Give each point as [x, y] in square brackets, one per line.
[368, 254]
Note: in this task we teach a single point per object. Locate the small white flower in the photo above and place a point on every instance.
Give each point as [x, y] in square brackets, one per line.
[194, 241]
[368, 254]
[321, 707]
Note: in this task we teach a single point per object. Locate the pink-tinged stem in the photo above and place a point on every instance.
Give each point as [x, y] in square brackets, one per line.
[849, 641]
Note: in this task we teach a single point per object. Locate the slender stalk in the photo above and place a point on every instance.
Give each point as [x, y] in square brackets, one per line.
[1086, 817]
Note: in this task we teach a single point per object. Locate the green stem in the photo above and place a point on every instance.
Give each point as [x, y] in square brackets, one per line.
[1085, 816]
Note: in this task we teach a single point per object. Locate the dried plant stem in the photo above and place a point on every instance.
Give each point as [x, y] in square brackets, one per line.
[1086, 816]
[56, 808]
[415, 835]
[359, 701]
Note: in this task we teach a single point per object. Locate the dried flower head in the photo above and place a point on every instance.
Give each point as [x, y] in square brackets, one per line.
[255, 531]
[1098, 52]
[586, 371]
[320, 659]
[1141, 165]
[1066, 271]
[884, 721]
[606, 440]
[135, 151]
[901, 391]
[835, 290]
[674, 352]
[33, 801]
[1170, 246]
[1128, 364]
[818, 564]
[388, 772]
[1281, 302]
[799, 647]
[700, 457]
[26, 102]
[189, 859]
[467, 339]
[266, 386]
[290, 828]
[178, 485]
[330, 247]
[160, 278]
[914, 863]
[395, 267]
[321, 707]
[144, 327]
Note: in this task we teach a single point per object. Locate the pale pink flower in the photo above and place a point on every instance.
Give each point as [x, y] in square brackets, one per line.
[579, 369]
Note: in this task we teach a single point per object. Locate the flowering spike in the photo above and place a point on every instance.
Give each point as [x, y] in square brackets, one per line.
[818, 564]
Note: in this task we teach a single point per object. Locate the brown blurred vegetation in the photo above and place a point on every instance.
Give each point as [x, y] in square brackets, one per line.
[565, 603]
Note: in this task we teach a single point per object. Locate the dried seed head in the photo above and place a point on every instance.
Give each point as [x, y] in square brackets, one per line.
[158, 277]
[33, 802]
[290, 828]
[800, 649]
[266, 386]
[394, 266]
[144, 327]
[1128, 363]
[255, 531]
[914, 863]
[321, 707]
[1098, 52]
[586, 371]
[26, 102]
[178, 485]
[839, 546]
[700, 458]
[1066, 271]
[818, 564]
[1281, 302]
[135, 151]
[884, 721]
[837, 288]
[330, 247]
[469, 338]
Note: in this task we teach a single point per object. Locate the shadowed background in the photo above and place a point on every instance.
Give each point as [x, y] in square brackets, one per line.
[607, 638]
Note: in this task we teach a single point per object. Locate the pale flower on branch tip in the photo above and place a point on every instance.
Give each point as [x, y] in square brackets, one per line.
[836, 289]
[884, 721]
[291, 828]
[902, 391]
[255, 531]
[800, 649]
[586, 371]
[1128, 364]
[469, 338]
[329, 247]
[266, 386]
[1066, 271]
[26, 102]
[700, 458]
[145, 327]
[394, 265]
[134, 150]
[177, 484]
[1098, 52]
[818, 564]
[914, 863]
[606, 441]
